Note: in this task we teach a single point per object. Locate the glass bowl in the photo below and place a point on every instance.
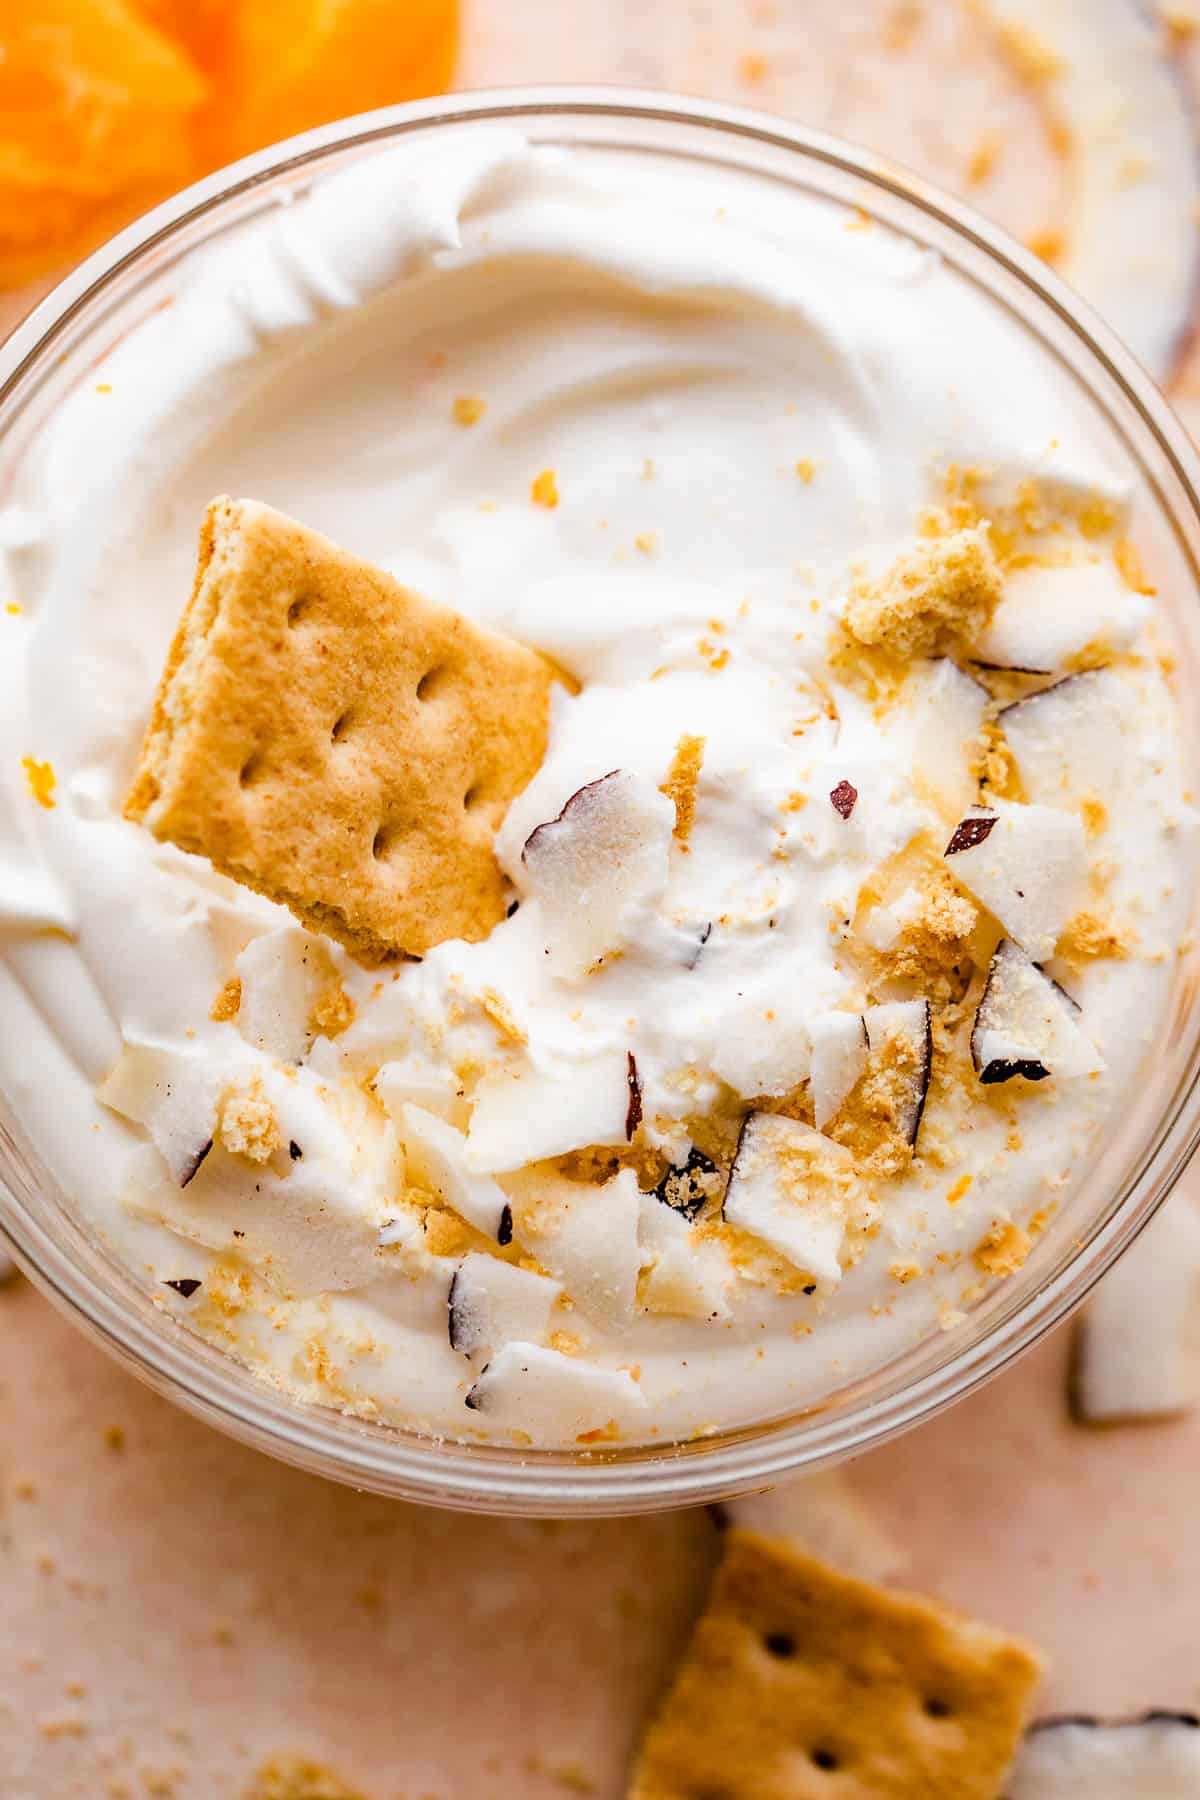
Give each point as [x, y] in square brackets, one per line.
[1132, 1169]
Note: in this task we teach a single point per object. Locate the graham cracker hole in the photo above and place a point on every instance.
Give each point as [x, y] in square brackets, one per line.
[473, 797]
[936, 1708]
[824, 1759]
[780, 1643]
[250, 769]
[386, 842]
[302, 604]
[432, 681]
[341, 726]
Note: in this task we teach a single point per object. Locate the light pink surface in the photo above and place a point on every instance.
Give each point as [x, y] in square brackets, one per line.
[175, 1610]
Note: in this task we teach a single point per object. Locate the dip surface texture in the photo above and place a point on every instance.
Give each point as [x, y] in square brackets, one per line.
[846, 900]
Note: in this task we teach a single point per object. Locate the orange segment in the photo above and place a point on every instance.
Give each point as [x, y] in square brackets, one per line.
[298, 63]
[106, 105]
[96, 112]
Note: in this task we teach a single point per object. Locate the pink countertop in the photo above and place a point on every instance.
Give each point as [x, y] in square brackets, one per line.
[175, 1609]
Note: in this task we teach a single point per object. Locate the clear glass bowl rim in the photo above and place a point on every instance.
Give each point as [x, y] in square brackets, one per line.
[497, 1479]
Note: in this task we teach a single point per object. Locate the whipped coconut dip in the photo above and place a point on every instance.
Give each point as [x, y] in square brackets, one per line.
[846, 901]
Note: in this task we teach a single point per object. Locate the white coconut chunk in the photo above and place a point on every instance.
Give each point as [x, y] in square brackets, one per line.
[552, 1398]
[760, 1057]
[437, 1154]
[839, 1056]
[281, 974]
[900, 1038]
[1048, 616]
[605, 856]
[1137, 1342]
[408, 1079]
[937, 725]
[682, 1274]
[822, 1515]
[1027, 865]
[794, 1189]
[174, 1094]
[524, 1115]
[1073, 738]
[1026, 1025]
[493, 1303]
[1156, 1757]
[585, 1235]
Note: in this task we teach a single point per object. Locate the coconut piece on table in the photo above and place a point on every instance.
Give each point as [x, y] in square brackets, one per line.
[1155, 1757]
[1026, 864]
[553, 1398]
[1136, 1349]
[604, 856]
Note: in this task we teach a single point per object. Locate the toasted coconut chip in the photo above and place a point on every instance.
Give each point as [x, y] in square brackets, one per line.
[1155, 1757]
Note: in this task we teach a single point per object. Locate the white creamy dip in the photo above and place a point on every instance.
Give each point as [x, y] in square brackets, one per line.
[747, 402]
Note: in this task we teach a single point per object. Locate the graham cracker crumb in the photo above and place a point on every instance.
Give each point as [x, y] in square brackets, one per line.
[869, 1122]
[468, 409]
[933, 948]
[248, 1126]
[681, 782]
[1003, 1250]
[332, 1011]
[543, 489]
[1095, 814]
[1087, 937]
[41, 779]
[299, 1778]
[1129, 566]
[496, 1008]
[228, 1002]
[114, 1438]
[1031, 56]
[930, 600]
[447, 1235]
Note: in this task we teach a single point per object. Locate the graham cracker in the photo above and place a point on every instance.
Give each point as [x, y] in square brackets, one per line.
[337, 742]
[805, 1684]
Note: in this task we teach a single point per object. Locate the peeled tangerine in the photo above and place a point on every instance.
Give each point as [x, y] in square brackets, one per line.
[107, 105]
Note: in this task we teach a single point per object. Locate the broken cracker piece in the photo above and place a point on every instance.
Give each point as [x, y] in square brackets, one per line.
[337, 742]
[932, 600]
[797, 1674]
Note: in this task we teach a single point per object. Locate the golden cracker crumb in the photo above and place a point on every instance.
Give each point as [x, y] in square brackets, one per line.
[468, 409]
[930, 600]
[228, 1002]
[1130, 568]
[543, 489]
[1003, 1250]
[332, 1010]
[41, 780]
[680, 785]
[247, 1125]
[1087, 938]
[496, 1008]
